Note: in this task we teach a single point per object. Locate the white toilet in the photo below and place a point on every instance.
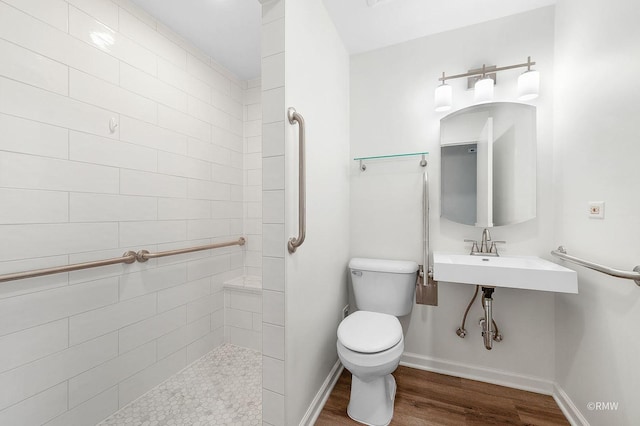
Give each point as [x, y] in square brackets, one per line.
[370, 341]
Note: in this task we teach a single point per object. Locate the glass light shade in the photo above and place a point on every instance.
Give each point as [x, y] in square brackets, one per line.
[443, 97]
[483, 90]
[528, 85]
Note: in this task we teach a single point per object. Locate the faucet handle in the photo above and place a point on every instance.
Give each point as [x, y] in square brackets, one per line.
[474, 248]
[494, 248]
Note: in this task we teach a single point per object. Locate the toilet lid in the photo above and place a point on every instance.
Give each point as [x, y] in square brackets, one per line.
[369, 332]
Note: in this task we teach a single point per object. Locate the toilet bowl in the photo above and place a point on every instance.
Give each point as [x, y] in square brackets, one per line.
[370, 345]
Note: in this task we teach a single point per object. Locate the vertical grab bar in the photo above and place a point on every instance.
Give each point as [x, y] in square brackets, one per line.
[425, 227]
[427, 288]
[295, 242]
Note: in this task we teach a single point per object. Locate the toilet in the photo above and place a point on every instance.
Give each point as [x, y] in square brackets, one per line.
[370, 340]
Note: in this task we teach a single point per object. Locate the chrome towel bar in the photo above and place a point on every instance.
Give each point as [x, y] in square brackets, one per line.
[634, 275]
[295, 242]
[129, 257]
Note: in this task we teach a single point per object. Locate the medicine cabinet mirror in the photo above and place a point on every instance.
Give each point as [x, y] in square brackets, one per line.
[488, 167]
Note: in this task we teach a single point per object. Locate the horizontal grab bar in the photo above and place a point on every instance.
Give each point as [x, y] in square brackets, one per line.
[634, 275]
[128, 258]
[144, 255]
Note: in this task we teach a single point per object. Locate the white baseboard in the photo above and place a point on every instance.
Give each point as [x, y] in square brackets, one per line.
[473, 372]
[321, 397]
[569, 409]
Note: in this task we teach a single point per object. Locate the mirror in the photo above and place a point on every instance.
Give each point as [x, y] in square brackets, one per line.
[488, 165]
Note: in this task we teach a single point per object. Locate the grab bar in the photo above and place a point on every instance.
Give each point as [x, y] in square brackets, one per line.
[144, 255]
[427, 287]
[128, 258]
[561, 252]
[294, 242]
[426, 269]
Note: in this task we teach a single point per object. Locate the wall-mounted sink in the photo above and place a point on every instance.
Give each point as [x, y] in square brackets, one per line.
[525, 272]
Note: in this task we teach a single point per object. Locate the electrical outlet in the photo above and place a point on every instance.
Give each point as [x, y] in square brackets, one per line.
[596, 209]
[345, 312]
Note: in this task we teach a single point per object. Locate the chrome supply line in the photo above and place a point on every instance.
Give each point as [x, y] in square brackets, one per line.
[144, 255]
[634, 275]
[295, 242]
[461, 331]
[127, 258]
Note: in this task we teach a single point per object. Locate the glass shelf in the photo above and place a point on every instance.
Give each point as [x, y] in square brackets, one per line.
[376, 157]
[363, 166]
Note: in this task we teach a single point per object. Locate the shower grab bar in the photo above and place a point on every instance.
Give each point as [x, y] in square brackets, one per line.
[128, 258]
[144, 255]
[634, 275]
[295, 242]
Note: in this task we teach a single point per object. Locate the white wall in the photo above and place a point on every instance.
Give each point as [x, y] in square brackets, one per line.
[598, 147]
[392, 112]
[75, 347]
[303, 293]
[317, 85]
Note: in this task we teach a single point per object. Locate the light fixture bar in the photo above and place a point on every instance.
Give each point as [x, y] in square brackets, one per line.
[527, 64]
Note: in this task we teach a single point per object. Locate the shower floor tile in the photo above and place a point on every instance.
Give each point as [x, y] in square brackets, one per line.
[222, 388]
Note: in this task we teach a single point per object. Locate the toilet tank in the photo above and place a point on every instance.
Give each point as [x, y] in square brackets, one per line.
[385, 286]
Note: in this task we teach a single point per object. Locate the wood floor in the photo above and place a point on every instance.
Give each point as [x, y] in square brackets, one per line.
[425, 398]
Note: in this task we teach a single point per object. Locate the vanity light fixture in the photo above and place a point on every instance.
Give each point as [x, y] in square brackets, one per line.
[444, 97]
[483, 89]
[528, 85]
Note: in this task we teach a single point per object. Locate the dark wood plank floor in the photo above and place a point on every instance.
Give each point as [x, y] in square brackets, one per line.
[425, 398]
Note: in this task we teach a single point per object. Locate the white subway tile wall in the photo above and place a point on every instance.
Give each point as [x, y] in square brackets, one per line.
[182, 168]
[272, 220]
[243, 318]
[252, 178]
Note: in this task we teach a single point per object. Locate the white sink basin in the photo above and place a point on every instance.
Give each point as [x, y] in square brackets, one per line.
[526, 272]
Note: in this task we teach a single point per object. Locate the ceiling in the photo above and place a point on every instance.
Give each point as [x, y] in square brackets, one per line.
[229, 30]
[363, 27]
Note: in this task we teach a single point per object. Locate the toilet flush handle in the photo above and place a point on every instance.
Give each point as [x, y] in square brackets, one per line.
[357, 273]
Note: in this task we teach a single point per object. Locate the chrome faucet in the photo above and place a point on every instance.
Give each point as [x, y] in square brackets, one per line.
[485, 249]
[486, 237]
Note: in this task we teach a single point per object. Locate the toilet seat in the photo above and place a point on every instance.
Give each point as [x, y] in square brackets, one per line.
[369, 332]
[351, 359]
